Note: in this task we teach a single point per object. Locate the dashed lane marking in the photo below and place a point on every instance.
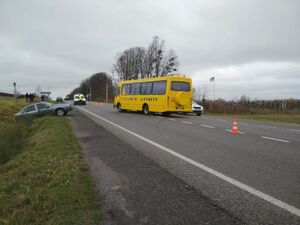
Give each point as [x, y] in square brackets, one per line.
[187, 122]
[172, 119]
[267, 126]
[275, 139]
[207, 126]
[294, 130]
[222, 176]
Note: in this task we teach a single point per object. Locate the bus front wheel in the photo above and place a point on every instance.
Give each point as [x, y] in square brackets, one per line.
[119, 108]
[146, 109]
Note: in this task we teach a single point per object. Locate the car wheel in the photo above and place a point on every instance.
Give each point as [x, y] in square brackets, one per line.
[60, 112]
[146, 109]
[199, 114]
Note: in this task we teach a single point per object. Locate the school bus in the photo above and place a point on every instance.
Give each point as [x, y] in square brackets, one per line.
[169, 94]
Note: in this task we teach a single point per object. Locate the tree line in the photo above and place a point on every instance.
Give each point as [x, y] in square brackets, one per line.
[95, 87]
[132, 63]
[247, 106]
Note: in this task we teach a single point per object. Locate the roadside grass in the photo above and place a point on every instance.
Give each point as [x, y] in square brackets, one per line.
[9, 106]
[293, 117]
[47, 182]
[11, 132]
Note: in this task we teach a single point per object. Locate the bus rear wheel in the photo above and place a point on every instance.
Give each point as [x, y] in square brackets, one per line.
[146, 109]
[166, 114]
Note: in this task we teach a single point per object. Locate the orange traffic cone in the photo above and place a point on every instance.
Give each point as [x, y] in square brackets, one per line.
[234, 129]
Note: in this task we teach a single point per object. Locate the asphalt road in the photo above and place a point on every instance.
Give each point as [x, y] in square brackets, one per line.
[255, 175]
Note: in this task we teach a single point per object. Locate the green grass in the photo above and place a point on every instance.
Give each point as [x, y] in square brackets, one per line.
[272, 117]
[9, 106]
[48, 182]
[11, 132]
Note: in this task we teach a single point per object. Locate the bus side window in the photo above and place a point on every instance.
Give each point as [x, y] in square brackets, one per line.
[135, 89]
[146, 88]
[159, 88]
[126, 89]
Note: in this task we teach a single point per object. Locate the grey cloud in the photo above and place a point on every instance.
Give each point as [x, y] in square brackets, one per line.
[62, 42]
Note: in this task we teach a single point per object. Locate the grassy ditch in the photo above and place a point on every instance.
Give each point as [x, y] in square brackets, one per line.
[47, 182]
[11, 132]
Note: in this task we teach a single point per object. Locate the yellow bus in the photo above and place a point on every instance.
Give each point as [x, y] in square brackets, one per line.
[165, 95]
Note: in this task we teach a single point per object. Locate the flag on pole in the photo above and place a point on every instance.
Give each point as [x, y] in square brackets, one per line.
[212, 79]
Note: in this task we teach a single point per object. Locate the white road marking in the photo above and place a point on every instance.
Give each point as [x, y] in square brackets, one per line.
[267, 126]
[275, 139]
[171, 119]
[187, 122]
[295, 130]
[207, 126]
[228, 179]
[160, 117]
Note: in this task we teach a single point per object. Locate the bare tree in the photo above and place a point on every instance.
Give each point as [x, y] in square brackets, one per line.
[129, 63]
[138, 62]
[170, 63]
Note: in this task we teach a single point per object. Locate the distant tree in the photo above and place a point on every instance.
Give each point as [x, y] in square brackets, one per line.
[98, 84]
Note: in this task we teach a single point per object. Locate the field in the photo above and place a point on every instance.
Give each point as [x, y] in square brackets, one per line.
[272, 117]
[43, 178]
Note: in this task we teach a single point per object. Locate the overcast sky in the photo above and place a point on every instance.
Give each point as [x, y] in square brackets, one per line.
[251, 47]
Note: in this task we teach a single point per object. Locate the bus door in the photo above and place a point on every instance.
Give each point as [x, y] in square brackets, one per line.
[180, 95]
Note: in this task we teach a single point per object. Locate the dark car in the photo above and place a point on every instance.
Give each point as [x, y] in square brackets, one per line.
[44, 108]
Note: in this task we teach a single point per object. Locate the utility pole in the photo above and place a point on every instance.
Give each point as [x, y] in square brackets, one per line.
[106, 94]
[212, 79]
[90, 93]
[15, 90]
[214, 89]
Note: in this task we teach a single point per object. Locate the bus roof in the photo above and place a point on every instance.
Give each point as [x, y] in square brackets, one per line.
[175, 77]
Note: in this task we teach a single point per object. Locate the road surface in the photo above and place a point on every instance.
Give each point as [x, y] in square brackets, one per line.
[255, 175]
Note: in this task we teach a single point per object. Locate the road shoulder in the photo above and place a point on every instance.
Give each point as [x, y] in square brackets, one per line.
[136, 190]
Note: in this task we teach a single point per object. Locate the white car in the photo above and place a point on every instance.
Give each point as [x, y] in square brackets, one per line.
[79, 99]
[198, 109]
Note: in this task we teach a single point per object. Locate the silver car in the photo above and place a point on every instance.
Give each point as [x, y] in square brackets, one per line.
[44, 108]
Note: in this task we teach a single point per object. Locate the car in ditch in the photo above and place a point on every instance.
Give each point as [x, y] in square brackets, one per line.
[44, 108]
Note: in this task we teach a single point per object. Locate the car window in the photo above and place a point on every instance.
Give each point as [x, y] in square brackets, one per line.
[30, 108]
[24, 110]
[41, 106]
